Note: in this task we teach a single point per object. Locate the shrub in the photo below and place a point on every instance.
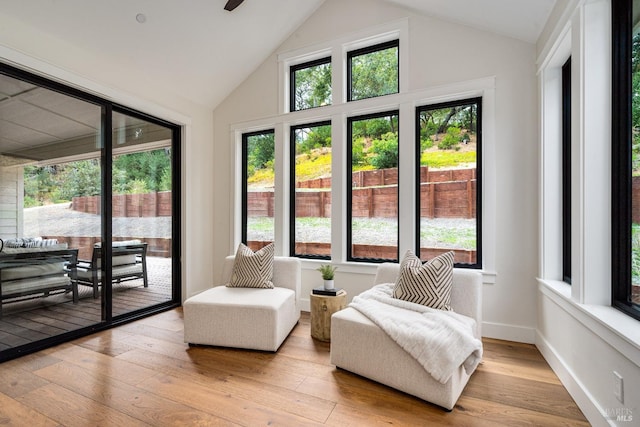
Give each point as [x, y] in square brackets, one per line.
[451, 139]
[385, 151]
[635, 253]
[357, 152]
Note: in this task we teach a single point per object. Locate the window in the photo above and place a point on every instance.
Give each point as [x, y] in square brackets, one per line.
[372, 180]
[258, 182]
[310, 84]
[626, 157]
[448, 189]
[566, 171]
[311, 190]
[373, 71]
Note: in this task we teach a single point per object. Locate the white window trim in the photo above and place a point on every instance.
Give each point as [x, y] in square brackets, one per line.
[588, 298]
[406, 102]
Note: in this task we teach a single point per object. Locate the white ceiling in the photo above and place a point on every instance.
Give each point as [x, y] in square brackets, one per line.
[203, 52]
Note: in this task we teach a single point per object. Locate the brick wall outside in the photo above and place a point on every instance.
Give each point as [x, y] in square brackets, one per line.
[447, 193]
[128, 205]
[156, 246]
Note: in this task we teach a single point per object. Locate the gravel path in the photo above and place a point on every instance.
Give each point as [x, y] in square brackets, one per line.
[372, 231]
[61, 220]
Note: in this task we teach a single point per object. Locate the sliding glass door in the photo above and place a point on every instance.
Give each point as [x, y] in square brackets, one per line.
[141, 213]
[88, 217]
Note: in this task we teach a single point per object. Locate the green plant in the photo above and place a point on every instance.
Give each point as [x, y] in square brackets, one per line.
[385, 151]
[327, 271]
[451, 139]
[635, 253]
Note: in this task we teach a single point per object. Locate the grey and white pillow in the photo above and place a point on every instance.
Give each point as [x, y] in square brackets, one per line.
[252, 269]
[427, 284]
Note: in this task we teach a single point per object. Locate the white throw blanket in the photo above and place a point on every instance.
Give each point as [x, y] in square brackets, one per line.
[441, 341]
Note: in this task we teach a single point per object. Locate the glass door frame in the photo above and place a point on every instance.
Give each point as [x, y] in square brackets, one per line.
[106, 137]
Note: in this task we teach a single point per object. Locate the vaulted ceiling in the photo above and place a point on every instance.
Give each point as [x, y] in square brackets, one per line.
[199, 50]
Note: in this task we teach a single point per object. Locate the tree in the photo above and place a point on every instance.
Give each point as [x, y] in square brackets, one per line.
[312, 86]
[81, 178]
[374, 74]
[261, 151]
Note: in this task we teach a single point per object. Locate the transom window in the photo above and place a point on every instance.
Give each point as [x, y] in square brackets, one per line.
[310, 84]
[373, 71]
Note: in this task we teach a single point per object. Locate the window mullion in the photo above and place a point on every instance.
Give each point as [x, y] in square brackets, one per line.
[406, 179]
[338, 183]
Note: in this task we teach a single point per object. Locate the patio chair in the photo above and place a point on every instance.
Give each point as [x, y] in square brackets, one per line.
[128, 262]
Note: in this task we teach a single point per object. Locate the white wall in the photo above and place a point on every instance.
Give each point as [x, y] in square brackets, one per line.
[29, 48]
[582, 337]
[440, 53]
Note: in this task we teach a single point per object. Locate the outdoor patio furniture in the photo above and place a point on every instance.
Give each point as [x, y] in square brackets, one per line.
[28, 272]
[128, 262]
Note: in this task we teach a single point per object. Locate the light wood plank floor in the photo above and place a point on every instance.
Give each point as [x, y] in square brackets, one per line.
[143, 374]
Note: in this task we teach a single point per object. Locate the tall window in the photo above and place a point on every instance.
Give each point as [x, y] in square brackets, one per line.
[448, 190]
[566, 171]
[626, 157]
[311, 190]
[258, 182]
[372, 179]
[310, 84]
[373, 71]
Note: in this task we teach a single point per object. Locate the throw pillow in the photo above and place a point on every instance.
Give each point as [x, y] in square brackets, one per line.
[427, 284]
[252, 269]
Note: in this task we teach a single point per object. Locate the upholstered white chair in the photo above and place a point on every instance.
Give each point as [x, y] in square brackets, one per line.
[251, 318]
[360, 346]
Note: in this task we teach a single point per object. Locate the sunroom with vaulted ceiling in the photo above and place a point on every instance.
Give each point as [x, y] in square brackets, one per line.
[87, 216]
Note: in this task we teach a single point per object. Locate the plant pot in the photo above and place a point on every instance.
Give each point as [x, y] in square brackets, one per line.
[328, 285]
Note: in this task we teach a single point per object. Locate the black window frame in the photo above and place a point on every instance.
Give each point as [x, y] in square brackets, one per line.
[349, 186]
[566, 171]
[108, 107]
[366, 50]
[292, 80]
[621, 140]
[292, 190]
[244, 184]
[478, 102]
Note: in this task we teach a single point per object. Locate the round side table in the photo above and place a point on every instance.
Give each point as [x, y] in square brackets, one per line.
[322, 307]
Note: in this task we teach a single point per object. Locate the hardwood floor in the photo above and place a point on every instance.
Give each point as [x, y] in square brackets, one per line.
[143, 374]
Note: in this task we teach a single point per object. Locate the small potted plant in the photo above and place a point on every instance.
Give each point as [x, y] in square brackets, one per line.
[327, 271]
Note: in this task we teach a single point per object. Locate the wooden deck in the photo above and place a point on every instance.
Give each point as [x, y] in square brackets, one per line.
[142, 374]
[39, 318]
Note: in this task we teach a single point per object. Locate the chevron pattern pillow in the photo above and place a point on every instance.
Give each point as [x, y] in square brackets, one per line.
[427, 284]
[252, 269]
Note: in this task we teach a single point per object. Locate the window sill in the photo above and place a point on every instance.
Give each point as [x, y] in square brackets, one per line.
[613, 326]
[369, 268]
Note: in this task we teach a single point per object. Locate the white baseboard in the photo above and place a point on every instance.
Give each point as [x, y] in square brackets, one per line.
[585, 401]
[506, 332]
[305, 304]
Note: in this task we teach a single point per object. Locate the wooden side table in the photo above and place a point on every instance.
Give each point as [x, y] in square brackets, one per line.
[322, 307]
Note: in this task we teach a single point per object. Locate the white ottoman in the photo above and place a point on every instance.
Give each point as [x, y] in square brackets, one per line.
[249, 318]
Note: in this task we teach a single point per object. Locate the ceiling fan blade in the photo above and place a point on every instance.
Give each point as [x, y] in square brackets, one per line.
[232, 4]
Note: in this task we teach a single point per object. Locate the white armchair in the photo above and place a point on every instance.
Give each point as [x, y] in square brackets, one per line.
[251, 318]
[360, 346]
